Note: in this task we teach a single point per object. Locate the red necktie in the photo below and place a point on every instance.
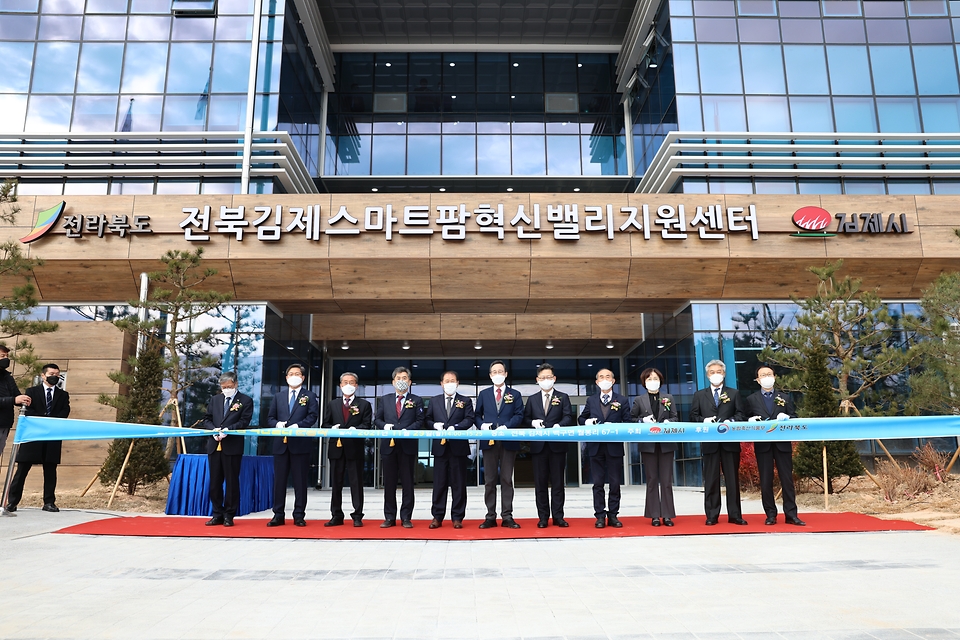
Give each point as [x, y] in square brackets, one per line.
[346, 411]
[499, 392]
[399, 405]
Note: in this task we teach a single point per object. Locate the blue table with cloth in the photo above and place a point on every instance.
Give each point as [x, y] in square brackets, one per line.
[189, 495]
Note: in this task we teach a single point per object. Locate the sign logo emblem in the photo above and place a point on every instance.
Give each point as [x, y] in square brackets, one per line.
[722, 427]
[812, 221]
[45, 221]
[655, 429]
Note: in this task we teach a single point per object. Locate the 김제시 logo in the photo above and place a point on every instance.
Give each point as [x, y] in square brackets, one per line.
[813, 221]
[46, 220]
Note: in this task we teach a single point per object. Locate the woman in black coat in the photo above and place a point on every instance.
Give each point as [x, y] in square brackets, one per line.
[655, 407]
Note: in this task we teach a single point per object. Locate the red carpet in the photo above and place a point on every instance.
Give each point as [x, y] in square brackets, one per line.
[190, 527]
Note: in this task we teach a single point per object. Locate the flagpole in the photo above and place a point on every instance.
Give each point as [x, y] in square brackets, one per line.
[251, 99]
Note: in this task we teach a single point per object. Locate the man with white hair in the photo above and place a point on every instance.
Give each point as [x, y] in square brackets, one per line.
[719, 403]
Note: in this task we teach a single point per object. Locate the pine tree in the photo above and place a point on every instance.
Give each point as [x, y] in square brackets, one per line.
[935, 388]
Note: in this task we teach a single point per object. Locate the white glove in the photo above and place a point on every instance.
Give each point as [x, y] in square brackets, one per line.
[753, 418]
[451, 428]
[352, 429]
[713, 419]
[502, 427]
[335, 426]
[219, 435]
[782, 416]
[486, 426]
[648, 419]
[665, 421]
[590, 421]
[387, 427]
[292, 426]
[438, 426]
[537, 424]
[281, 425]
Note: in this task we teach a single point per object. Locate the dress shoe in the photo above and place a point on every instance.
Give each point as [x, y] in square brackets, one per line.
[435, 524]
[214, 521]
[667, 522]
[655, 522]
[600, 523]
[614, 522]
[560, 522]
[739, 521]
[711, 522]
[299, 522]
[357, 522]
[227, 522]
[458, 524]
[542, 524]
[796, 522]
[486, 524]
[52, 508]
[12, 508]
[277, 521]
[406, 524]
[510, 523]
[334, 522]
[770, 521]
[388, 523]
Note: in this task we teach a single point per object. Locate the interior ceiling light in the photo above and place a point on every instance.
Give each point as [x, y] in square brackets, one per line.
[406, 345]
[478, 346]
[609, 344]
[345, 346]
[549, 344]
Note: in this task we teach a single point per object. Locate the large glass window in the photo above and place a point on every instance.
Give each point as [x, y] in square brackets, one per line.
[100, 66]
[528, 156]
[855, 115]
[723, 113]
[55, 69]
[18, 62]
[493, 155]
[806, 69]
[898, 115]
[762, 69]
[892, 70]
[849, 70]
[145, 67]
[563, 155]
[190, 67]
[936, 69]
[720, 68]
[388, 155]
[94, 113]
[940, 115]
[768, 113]
[49, 113]
[459, 155]
[231, 67]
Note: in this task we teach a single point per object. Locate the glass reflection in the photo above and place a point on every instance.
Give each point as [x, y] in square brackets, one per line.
[18, 60]
[144, 68]
[493, 155]
[231, 66]
[100, 69]
[528, 156]
[189, 67]
[49, 113]
[55, 68]
[94, 113]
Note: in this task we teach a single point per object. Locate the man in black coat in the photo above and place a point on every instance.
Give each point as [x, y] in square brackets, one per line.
[10, 396]
[230, 410]
[770, 404]
[346, 454]
[296, 407]
[719, 403]
[46, 399]
[403, 411]
[547, 410]
[454, 412]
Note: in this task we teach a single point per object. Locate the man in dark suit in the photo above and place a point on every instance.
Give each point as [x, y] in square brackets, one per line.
[46, 399]
[547, 410]
[10, 396]
[452, 412]
[403, 411]
[719, 403]
[770, 404]
[606, 458]
[296, 407]
[499, 407]
[346, 454]
[230, 410]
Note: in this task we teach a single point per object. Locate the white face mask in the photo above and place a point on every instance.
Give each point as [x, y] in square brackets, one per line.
[229, 393]
[294, 381]
[652, 385]
[605, 385]
[767, 382]
[716, 379]
[547, 384]
[450, 388]
[498, 379]
[401, 385]
[348, 390]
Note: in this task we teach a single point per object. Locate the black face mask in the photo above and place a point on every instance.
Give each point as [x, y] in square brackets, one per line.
[53, 380]
[4, 363]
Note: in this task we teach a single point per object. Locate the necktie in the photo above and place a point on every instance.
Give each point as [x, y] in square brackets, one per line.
[499, 395]
[226, 406]
[546, 404]
[399, 405]
[606, 399]
[293, 399]
[768, 401]
[449, 406]
[716, 397]
[49, 400]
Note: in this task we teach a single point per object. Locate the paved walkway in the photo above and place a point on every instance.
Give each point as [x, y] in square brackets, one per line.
[880, 585]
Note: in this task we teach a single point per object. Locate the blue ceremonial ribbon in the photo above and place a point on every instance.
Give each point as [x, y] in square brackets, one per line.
[37, 428]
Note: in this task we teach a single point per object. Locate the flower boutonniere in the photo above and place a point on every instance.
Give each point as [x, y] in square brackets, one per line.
[724, 397]
[508, 399]
[459, 404]
[666, 403]
[555, 401]
[236, 406]
[303, 401]
[408, 404]
[615, 406]
[780, 402]
[354, 410]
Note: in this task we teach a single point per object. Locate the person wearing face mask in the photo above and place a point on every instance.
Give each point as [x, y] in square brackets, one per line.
[548, 409]
[656, 407]
[10, 397]
[346, 454]
[606, 458]
[770, 404]
[228, 410]
[499, 407]
[46, 399]
[399, 410]
[449, 411]
[719, 403]
[292, 408]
